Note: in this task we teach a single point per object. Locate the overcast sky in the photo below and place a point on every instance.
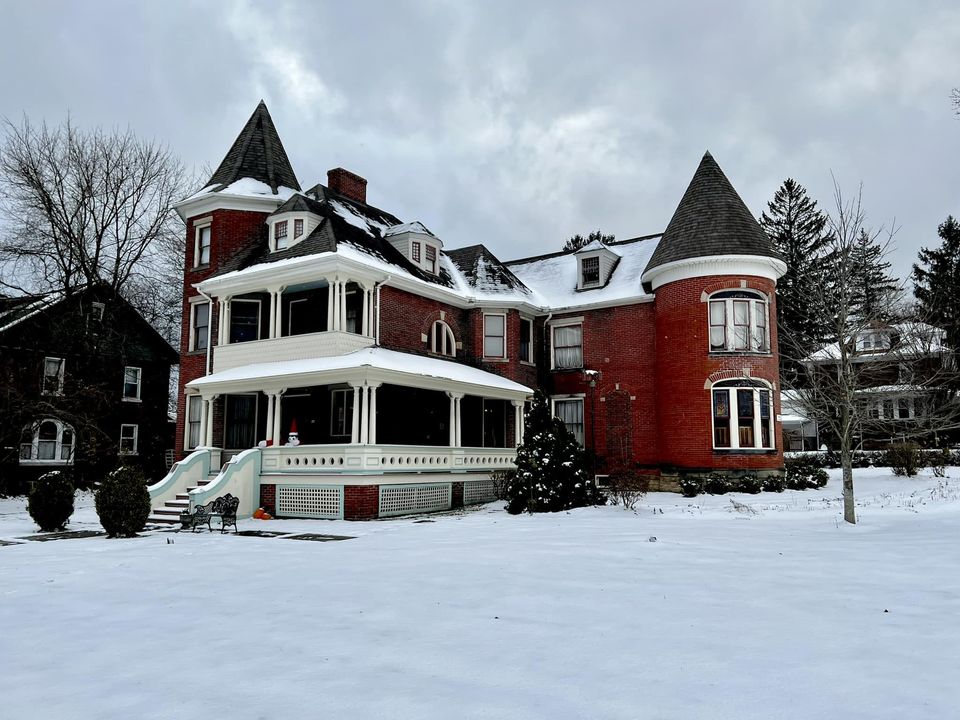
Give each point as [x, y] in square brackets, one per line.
[518, 124]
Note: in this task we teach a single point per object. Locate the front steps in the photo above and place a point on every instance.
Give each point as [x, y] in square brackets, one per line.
[169, 512]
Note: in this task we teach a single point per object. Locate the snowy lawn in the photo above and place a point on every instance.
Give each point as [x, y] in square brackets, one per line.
[781, 613]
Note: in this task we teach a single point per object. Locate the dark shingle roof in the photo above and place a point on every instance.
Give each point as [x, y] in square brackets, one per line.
[257, 153]
[482, 268]
[711, 219]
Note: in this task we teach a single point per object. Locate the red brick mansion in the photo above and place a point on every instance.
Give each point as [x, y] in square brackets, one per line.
[338, 361]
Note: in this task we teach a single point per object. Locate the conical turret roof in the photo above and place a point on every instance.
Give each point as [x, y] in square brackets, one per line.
[257, 153]
[711, 220]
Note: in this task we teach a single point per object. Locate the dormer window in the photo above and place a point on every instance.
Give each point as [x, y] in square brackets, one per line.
[590, 271]
[297, 228]
[280, 235]
[431, 259]
[415, 252]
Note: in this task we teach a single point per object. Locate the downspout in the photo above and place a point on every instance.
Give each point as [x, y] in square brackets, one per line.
[206, 367]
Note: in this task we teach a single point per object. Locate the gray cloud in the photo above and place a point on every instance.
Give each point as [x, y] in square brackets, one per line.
[519, 124]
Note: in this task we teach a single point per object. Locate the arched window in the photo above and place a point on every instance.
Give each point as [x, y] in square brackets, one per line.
[739, 322]
[49, 442]
[743, 417]
[442, 341]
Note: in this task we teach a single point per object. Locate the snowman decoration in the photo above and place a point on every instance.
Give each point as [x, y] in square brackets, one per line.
[293, 439]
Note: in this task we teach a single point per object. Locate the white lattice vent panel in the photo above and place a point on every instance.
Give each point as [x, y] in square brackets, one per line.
[404, 499]
[325, 501]
[478, 491]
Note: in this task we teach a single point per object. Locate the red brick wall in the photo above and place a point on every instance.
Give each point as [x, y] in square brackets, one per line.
[620, 343]
[684, 364]
[361, 502]
[456, 495]
[268, 498]
[231, 231]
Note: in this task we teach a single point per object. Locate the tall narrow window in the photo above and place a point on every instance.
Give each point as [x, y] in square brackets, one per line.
[570, 413]
[721, 418]
[568, 347]
[47, 440]
[415, 252]
[202, 256]
[131, 383]
[200, 326]
[526, 340]
[718, 325]
[431, 252]
[297, 228]
[244, 320]
[341, 412]
[53, 376]
[494, 336]
[280, 234]
[741, 325]
[128, 439]
[194, 415]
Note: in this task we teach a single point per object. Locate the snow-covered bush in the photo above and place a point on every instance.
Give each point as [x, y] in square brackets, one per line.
[750, 484]
[905, 459]
[50, 502]
[123, 502]
[718, 484]
[552, 470]
[691, 485]
[803, 473]
[774, 483]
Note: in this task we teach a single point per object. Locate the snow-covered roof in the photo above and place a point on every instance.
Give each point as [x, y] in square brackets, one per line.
[410, 227]
[19, 309]
[246, 188]
[415, 368]
[553, 278]
[914, 339]
[596, 245]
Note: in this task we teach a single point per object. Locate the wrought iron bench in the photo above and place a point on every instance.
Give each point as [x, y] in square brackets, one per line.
[224, 508]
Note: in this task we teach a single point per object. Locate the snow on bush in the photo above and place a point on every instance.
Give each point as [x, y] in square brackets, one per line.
[123, 502]
[50, 502]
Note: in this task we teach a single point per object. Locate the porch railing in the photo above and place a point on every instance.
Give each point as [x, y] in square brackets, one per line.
[291, 347]
[332, 459]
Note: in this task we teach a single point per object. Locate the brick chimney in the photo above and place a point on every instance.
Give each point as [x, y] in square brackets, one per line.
[347, 183]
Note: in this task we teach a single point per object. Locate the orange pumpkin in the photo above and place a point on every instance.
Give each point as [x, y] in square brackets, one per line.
[266, 516]
[258, 513]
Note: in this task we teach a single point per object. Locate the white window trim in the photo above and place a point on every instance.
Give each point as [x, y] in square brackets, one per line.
[756, 298]
[35, 445]
[448, 342]
[582, 284]
[533, 355]
[484, 348]
[259, 316]
[123, 390]
[188, 419]
[199, 225]
[566, 322]
[733, 421]
[347, 399]
[194, 302]
[136, 433]
[581, 397]
[60, 376]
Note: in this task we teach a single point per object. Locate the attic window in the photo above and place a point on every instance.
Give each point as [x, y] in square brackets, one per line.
[280, 235]
[415, 252]
[432, 259]
[297, 228]
[590, 271]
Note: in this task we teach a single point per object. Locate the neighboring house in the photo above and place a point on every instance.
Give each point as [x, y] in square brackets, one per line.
[400, 367]
[902, 374]
[86, 384]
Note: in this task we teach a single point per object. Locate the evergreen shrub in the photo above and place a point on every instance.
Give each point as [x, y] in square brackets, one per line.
[804, 472]
[552, 471]
[774, 483]
[905, 459]
[750, 484]
[123, 502]
[691, 486]
[50, 501]
[718, 484]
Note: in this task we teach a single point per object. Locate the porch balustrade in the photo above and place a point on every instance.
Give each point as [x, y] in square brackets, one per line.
[333, 459]
[290, 347]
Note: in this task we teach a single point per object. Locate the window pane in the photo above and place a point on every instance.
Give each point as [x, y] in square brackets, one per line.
[903, 408]
[567, 350]
[741, 312]
[745, 418]
[718, 338]
[131, 383]
[570, 413]
[493, 335]
[297, 228]
[47, 450]
[526, 340]
[201, 319]
[493, 346]
[47, 431]
[591, 270]
[741, 336]
[415, 251]
[721, 418]
[204, 245]
[718, 315]
[194, 411]
[244, 321]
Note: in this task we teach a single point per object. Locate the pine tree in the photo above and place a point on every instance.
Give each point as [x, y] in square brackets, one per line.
[936, 280]
[873, 286]
[551, 472]
[578, 241]
[796, 229]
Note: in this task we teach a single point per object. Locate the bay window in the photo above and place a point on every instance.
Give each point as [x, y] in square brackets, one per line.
[739, 322]
[743, 417]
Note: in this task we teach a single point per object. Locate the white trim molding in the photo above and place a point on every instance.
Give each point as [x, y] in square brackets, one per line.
[754, 265]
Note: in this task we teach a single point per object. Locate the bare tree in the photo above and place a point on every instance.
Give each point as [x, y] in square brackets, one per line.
[90, 207]
[955, 99]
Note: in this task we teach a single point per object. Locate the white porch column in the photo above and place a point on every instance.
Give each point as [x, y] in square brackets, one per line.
[221, 320]
[202, 440]
[454, 418]
[372, 422]
[268, 430]
[278, 322]
[273, 319]
[365, 315]
[343, 306]
[331, 301]
[517, 422]
[208, 438]
[355, 427]
[459, 438]
[225, 319]
[365, 419]
[276, 417]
